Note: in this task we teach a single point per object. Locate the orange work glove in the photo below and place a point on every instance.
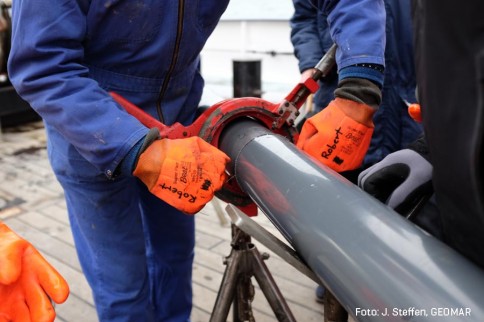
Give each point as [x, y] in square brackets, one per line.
[28, 282]
[185, 173]
[339, 135]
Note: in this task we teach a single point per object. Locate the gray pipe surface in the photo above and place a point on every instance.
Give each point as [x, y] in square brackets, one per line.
[374, 261]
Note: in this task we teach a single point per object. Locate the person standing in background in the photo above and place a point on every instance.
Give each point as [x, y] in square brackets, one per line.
[394, 128]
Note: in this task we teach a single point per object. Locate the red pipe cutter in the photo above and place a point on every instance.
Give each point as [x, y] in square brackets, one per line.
[278, 117]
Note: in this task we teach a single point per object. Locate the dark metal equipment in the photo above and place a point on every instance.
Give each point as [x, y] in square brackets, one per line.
[247, 78]
[243, 263]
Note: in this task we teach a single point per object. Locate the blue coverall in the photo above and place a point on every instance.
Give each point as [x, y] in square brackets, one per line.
[394, 128]
[136, 251]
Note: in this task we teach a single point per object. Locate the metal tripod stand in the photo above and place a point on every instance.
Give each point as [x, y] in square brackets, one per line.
[245, 262]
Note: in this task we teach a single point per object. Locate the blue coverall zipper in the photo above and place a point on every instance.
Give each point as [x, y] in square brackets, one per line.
[174, 59]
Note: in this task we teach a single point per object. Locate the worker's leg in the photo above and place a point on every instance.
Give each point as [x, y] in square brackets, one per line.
[107, 227]
[170, 238]
[108, 230]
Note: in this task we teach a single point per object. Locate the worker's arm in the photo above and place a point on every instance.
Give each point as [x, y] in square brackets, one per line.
[28, 282]
[306, 31]
[340, 134]
[47, 68]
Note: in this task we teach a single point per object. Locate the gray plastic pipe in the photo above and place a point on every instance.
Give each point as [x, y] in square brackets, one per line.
[380, 266]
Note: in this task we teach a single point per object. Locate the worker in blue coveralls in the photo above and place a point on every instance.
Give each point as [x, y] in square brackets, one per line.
[394, 128]
[134, 239]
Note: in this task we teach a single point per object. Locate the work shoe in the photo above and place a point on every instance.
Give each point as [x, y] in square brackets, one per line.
[320, 290]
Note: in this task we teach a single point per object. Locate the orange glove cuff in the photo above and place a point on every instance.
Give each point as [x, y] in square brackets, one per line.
[358, 112]
[339, 135]
[185, 173]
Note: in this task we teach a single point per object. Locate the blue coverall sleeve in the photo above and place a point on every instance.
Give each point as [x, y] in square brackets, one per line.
[358, 28]
[305, 36]
[46, 68]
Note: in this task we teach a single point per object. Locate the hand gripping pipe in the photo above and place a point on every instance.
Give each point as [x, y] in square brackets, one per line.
[380, 266]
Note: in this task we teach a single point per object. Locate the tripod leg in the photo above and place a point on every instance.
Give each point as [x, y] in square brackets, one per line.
[243, 297]
[269, 288]
[227, 289]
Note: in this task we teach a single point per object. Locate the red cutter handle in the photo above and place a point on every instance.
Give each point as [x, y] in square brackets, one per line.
[175, 131]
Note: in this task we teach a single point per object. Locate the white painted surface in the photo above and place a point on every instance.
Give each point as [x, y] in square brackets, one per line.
[264, 40]
[258, 10]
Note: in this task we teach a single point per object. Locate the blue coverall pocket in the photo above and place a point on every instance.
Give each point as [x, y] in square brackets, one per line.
[67, 163]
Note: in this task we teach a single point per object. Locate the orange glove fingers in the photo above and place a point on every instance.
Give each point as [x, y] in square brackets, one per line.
[216, 162]
[307, 132]
[19, 312]
[215, 153]
[339, 135]
[32, 281]
[12, 304]
[4, 318]
[38, 302]
[10, 258]
[11, 250]
[52, 283]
